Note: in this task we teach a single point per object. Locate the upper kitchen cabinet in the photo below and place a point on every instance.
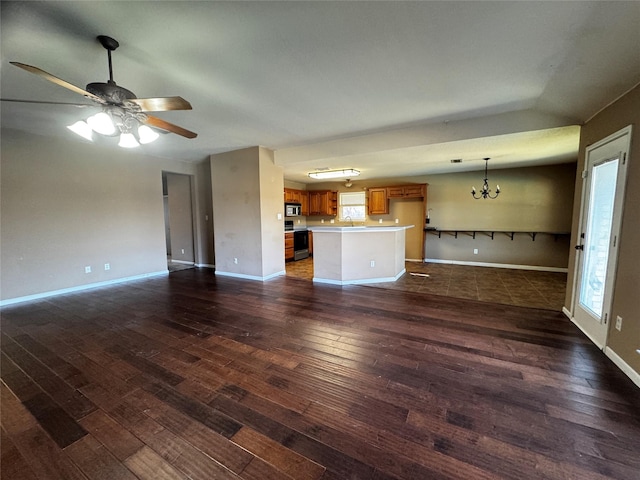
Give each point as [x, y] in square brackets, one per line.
[323, 202]
[304, 202]
[378, 201]
[292, 195]
[407, 191]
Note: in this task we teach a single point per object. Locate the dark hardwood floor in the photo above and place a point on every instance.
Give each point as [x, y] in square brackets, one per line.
[203, 377]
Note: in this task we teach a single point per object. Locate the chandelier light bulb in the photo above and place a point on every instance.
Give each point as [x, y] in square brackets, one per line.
[83, 129]
[146, 134]
[127, 140]
[102, 124]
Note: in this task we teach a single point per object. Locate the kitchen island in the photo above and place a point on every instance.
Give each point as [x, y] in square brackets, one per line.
[356, 255]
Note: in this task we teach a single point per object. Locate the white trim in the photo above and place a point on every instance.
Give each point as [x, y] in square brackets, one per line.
[250, 277]
[80, 288]
[499, 265]
[567, 312]
[184, 262]
[204, 265]
[622, 365]
[590, 337]
[363, 281]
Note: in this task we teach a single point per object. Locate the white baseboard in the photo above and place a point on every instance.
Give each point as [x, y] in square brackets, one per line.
[250, 277]
[359, 282]
[80, 288]
[499, 265]
[613, 356]
[204, 265]
[624, 366]
[183, 262]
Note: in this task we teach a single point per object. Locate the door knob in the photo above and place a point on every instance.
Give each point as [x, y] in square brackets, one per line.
[579, 247]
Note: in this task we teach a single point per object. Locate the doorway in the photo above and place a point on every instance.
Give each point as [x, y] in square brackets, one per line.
[599, 230]
[178, 215]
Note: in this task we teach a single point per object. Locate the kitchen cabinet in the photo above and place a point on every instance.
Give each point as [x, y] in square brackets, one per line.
[378, 201]
[304, 202]
[310, 242]
[406, 191]
[288, 246]
[323, 202]
[291, 195]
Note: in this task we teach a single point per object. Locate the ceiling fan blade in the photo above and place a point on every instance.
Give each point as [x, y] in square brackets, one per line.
[170, 127]
[161, 104]
[58, 81]
[42, 102]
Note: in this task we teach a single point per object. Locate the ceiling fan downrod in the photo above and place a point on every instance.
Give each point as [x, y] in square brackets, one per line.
[110, 45]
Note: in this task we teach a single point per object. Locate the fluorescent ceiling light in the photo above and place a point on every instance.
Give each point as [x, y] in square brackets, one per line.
[83, 129]
[347, 172]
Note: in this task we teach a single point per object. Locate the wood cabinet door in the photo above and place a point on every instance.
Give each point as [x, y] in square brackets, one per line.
[314, 203]
[414, 191]
[304, 201]
[378, 201]
[323, 199]
[310, 242]
[288, 246]
[394, 192]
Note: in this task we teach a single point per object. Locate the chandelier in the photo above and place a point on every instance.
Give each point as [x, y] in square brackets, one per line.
[114, 120]
[486, 191]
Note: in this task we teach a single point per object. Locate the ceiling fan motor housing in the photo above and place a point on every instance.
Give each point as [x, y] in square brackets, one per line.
[110, 92]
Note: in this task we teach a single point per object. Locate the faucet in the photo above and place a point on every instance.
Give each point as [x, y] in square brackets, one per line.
[348, 217]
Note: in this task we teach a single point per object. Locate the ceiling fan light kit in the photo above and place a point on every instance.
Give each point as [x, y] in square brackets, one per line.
[122, 112]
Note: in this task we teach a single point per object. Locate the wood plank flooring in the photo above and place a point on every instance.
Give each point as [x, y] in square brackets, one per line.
[192, 376]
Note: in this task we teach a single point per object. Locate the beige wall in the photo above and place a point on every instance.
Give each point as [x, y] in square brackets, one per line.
[68, 204]
[626, 301]
[535, 199]
[244, 228]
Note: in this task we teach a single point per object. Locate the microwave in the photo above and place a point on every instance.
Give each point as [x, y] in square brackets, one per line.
[292, 209]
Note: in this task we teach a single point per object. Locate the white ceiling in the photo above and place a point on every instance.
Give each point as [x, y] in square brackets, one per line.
[389, 88]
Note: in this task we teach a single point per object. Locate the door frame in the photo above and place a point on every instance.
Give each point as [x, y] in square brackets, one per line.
[615, 231]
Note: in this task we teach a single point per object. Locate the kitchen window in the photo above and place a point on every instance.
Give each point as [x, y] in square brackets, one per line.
[352, 205]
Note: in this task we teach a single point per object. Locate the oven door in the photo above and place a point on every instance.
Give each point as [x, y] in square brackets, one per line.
[300, 244]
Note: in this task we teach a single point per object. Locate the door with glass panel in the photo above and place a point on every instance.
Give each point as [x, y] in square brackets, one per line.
[597, 248]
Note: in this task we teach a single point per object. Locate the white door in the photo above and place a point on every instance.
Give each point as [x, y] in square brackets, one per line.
[597, 250]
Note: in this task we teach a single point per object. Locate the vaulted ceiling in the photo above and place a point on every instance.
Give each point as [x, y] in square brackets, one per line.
[389, 88]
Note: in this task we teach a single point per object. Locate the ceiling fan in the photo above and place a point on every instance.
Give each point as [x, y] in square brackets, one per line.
[122, 112]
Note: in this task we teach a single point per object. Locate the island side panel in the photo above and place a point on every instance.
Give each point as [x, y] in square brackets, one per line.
[327, 255]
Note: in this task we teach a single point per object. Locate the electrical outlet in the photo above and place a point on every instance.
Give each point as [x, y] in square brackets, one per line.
[279, 216]
[332, 221]
[235, 260]
[379, 220]
[322, 220]
[397, 220]
[182, 250]
[618, 322]
[373, 263]
[107, 266]
[87, 269]
[475, 251]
